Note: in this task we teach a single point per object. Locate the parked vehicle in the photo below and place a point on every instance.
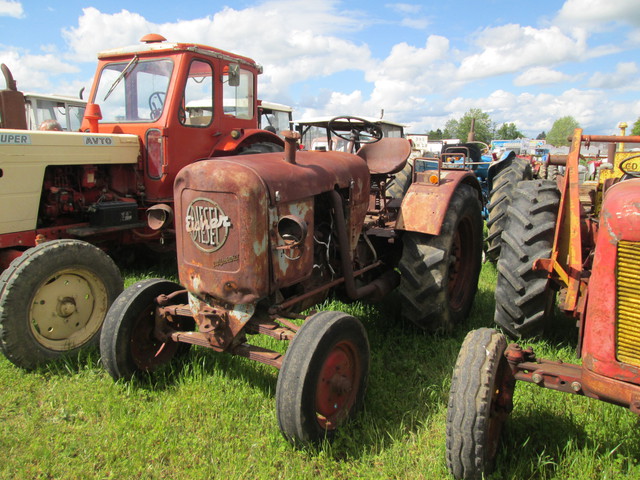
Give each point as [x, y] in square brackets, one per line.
[582, 241]
[261, 238]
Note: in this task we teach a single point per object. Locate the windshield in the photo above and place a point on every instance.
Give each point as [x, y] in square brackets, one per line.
[315, 137]
[67, 114]
[275, 120]
[136, 96]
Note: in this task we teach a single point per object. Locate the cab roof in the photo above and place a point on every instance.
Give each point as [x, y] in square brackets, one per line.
[153, 43]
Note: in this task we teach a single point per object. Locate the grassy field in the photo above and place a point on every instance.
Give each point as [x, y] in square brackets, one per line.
[213, 416]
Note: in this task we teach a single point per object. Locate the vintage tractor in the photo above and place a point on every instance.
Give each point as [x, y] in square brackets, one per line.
[261, 238]
[67, 196]
[582, 241]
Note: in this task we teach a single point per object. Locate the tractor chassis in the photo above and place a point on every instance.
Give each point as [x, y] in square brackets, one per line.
[571, 378]
[221, 330]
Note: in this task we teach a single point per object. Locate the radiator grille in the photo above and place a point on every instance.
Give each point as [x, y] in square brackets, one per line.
[628, 304]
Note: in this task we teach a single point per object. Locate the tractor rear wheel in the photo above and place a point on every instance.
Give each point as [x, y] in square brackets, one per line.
[54, 298]
[128, 345]
[524, 297]
[402, 181]
[480, 400]
[323, 377]
[500, 198]
[440, 272]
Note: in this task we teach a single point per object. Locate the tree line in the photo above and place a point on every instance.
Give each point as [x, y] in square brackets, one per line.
[486, 130]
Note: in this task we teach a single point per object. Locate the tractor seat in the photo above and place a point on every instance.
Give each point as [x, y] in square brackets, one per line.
[387, 156]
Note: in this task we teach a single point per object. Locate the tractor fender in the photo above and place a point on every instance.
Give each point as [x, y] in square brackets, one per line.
[424, 205]
[239, 138]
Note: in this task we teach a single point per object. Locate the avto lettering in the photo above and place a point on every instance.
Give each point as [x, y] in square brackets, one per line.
[207, 224]
[98, 141]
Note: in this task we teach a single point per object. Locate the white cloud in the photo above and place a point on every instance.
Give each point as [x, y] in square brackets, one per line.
[419, 23]
[541, 76]
[408, 74]
[35, 72]
[625, 77]
[597, 13]
[512, 48]
[536, 113]
[293, 50]
[407, 8]
[11, 8]
[412, 15]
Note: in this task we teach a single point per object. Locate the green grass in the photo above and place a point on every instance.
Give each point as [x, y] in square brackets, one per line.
[213, 416]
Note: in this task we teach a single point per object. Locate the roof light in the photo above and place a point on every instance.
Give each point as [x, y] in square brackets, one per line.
[153, 38]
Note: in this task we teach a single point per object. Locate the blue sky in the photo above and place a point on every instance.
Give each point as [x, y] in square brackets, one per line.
[421, 62]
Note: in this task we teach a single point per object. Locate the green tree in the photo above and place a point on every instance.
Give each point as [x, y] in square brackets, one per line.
[542, 136]
[508, 131]
[460, 128]
[561, 130]
[450, 129]
[636, 127]
[435, 134]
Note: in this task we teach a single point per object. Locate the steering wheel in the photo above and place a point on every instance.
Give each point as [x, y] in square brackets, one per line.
[635, 173]
[361, 131]
[156, 102]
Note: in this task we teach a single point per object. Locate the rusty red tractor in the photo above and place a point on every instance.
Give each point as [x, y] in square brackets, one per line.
[67, 196]
[581, 240]
[261, 238]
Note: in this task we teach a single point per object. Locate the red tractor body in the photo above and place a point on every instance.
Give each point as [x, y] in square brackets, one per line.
[227, 209]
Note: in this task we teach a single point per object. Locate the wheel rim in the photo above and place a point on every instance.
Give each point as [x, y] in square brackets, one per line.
[461, 265]
[500, 407]
[338, 385]
[146, 350]
[68, 309]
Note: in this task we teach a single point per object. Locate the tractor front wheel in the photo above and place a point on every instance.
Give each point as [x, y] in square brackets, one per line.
[323, 377]
[480, 400]
[54, 298]
[128, 345]
[440, 272]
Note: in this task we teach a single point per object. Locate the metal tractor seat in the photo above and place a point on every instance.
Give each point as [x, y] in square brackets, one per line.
[387, 156]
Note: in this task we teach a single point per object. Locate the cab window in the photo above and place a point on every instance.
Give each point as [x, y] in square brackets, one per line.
[197, 101]
[238, 92]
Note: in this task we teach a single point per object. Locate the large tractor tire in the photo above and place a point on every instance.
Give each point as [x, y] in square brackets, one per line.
[524, 298]
[54, 299]
[401, 181]
[500, 198]
[323, 378]
[480, 401]
[440, 272]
